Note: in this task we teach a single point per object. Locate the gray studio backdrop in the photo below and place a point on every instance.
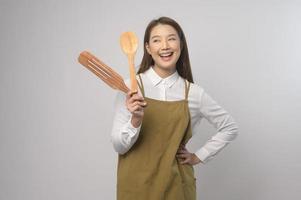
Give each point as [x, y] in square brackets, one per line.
[56, 116]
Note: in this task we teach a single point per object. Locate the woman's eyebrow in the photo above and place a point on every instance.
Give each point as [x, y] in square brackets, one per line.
[155, 36]
[171, 35]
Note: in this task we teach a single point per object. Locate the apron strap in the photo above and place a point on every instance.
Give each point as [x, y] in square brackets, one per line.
[141, 86]
[187, 87]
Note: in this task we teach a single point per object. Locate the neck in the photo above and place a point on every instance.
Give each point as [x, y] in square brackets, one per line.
[163, 73]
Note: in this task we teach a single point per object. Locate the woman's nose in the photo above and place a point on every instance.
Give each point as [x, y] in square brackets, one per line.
[165, 44]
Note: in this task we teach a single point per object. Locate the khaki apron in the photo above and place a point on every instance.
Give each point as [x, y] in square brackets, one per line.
[150, 170]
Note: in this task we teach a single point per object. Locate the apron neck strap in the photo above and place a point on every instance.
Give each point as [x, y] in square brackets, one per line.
[187, 86]
[141, 86]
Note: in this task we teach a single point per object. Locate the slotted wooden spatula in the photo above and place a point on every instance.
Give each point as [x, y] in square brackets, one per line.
[104, 72]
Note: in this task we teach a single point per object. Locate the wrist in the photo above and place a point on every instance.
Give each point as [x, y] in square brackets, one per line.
[136, 122]
[196, 158]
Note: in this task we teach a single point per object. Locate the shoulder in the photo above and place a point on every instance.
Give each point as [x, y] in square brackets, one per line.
[195, 89]
[127, 80]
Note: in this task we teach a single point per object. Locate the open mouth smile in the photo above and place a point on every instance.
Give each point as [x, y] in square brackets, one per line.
[166, 56]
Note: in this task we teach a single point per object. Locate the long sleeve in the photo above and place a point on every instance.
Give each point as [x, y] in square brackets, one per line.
[123, 135]
[227, 129]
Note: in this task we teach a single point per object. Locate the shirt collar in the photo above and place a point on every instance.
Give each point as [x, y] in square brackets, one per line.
[156, 79]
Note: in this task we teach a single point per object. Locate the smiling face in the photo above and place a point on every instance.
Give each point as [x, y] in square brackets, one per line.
[164, 48]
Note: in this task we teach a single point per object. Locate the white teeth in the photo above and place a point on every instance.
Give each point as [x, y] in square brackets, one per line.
[166, 54]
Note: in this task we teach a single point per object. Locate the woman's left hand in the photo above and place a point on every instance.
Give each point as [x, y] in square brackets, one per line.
[186, 156]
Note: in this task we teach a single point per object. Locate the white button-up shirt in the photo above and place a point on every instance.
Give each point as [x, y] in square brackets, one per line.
[172, 88]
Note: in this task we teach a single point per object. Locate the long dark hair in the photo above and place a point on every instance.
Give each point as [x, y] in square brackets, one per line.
[183, 63]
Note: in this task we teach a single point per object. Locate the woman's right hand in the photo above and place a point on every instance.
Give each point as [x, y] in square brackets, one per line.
[135, 104]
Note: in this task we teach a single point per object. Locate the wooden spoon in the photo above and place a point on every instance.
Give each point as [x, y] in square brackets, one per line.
[129, 45]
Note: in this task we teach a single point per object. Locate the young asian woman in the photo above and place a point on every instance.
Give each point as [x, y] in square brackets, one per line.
[152, 126]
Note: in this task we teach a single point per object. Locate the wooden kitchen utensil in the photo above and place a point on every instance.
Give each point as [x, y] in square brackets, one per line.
[104, 72]
[129, 45]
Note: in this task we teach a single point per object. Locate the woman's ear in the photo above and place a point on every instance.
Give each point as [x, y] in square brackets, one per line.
[147, 48]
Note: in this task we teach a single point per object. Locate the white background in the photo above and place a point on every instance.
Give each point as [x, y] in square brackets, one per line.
[56, 116]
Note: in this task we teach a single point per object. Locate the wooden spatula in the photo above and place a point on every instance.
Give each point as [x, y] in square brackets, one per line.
[104, 72]
[129, 45]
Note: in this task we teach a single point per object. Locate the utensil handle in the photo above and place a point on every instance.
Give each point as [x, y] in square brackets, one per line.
[132, 72]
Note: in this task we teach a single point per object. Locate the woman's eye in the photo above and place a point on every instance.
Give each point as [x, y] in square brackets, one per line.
[172, 39]
[155, 40]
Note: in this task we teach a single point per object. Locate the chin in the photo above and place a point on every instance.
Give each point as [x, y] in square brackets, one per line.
[168, 67]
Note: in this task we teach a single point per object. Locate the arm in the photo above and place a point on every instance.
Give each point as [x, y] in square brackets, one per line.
[124, 134]
[225, 125]
[127, 121]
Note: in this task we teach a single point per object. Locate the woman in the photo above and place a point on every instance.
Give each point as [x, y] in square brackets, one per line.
[152, 126]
